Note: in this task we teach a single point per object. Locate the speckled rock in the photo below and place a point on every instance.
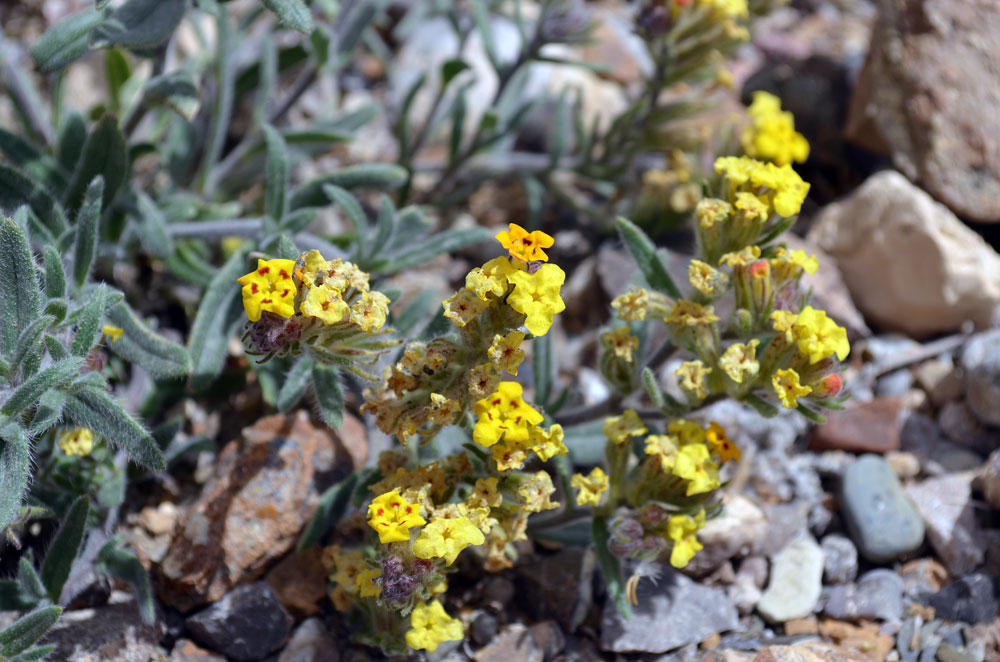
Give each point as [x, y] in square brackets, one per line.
[989, 479]
[945, 504]
[981, 361]
[665, 618]
[796, 582]
[110, 633]
[877, 595]
[881, 520]
[840, 559]
[311, 642]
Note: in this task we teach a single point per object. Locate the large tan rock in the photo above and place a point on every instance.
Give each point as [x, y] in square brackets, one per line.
[909, 263]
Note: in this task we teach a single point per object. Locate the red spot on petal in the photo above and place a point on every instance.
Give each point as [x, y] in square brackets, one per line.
[263, 271]
[267, 300]
[254, 288]
[283, 273]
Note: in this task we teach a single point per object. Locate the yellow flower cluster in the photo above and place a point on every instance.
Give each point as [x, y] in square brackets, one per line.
[78, 441]
[509, 428]
[779, 187]
[590, 487]
[689, 451]
[430, 625]
[815, 338]
[772, 135]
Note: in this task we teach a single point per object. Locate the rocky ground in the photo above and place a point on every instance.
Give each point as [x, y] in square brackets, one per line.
[873, 538]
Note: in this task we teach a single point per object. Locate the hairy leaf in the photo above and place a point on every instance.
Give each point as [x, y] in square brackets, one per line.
[64, 548]
[293, 13]
[646, 258]
[15, 459]
[27, 630]
[329, 394]
[611, 567]
[55, 276]
[277, 174]
[296, 383]
[443, 243]
[19, 293]
[89, 323]
[103, 154]
[161, 357]
[123, 565]
[96, 409]
[219, 311]
[85, 242]
[65, 41]
[17, 189]
[371, 175]
[330, 509]
[139, 24]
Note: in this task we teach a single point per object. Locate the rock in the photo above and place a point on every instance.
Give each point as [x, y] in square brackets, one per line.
[830, 293]
[665, 617]
[981, 361]
[498, 592]
[299, 581]
[969, 599]
[922, 437]
[246, 625]
[896, 383]
[905, 465]
[882, 522]
[959, 424]
[311, 642]
[186, 650]
[909, 263]
[549, 638]
[922, 576]
[796, 582]
[786, 522]
[266, 486]
[111, 633]
[945, 505]
[559, 586]
[989, 480]
[928, 89]
[840, 559]
[515, 642]
[877, 595]
[869, 427]
[810, 651]
[865, 642]
[745, 591]
[940, 379]
[483, 627]
[738, 531]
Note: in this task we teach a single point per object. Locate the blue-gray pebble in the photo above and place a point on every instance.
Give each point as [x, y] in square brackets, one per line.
[881, 520]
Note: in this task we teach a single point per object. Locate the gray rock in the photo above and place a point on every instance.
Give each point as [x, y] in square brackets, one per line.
[897, 382]
[745, 591]
[877, 595]
[989, 479]
[922, 436]
[515, 642]
[311, 642]
[945, 505]
[796, 582]
[559, 586]
[484, 626]
[186, 650]
[675, 612]
[247, 624]
[981, 361]
[969, 599]
[111, 633]
[840, 559]
[739, 530]
[549, 638]
[961, 426]
[880, 519]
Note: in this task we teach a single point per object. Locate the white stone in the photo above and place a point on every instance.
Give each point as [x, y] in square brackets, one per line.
[796, 582]
[910, 264]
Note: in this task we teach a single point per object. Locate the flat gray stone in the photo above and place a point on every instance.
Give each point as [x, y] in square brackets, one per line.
[945, 504]
[840, 559]
[877, 595]
[879, 517]
[246, 625]
[796, 582]
[677, 611]
[981, 361]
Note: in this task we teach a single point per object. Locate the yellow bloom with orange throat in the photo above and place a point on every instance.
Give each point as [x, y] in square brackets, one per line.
[524, 245]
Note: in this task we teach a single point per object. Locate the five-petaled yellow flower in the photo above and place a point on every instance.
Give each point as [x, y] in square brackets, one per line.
[591, 487]
[78, 441]
[694, 464]
[506, 352]
[723, 446]
[537, 296]
[392, 517]
[819, 336]
[524, 245]
[269, 288]
[446, 538]
[664, 448]
[682, 529]
[430, 624]
[504, 415]
[620, 428]
[786, 385]
[692, 378]
[740, 360]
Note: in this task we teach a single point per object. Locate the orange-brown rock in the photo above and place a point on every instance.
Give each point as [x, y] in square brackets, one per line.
[810, 651]
[265, 487]
[870, 427]
[299, 581]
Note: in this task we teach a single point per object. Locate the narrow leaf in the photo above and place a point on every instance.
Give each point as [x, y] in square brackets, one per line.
[50, 407]
[19, 293]
[329, 394]
[277, 174]
[27, 630]
[27, 344]
[646, 258]
[104, 154]
[55, 276]
[354, 212]
[15, 459]
[482, 21]
[96, 409]
[17, 189]
[153, 227]
[139, 24]
[35, 654]
[438, 245]
[139, 344]
[85, 242]
[123, 565]
[543, 365]
[220, 309]
[28, 579]
[369, 175]
[330, 509]
[611, 567]
[296, 383]
[65, 41]
[293, 13]
[64, 548]
[89, 323]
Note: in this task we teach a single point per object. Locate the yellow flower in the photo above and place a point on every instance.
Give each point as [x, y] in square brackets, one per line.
[392, 517]
[705, 278]
[742, 258]
[504, 415]
[446, 538]
[621, 342]
[490, 280]
[537, 296]
[787, 190]
[463, 306]
[716, 436]
[631, 306]
[591, 487]
[819, 336]
[686, 432]
[324, 303]
[483, 380]
[269, 288]
[348, 565]
[506, 352]
[786, 385]
[370, 310]
[729, 8]
[313, 265]
[694, 464]
[535, 493]
[524, 245]
[508, 457]
[740, 360]
[736, 168]
[682, 529]
[712, 211]
[485, 493]
[772, 135]
[430, 625]
[620, 428]
[78, 441]
[112, 332]
[443, 409]
[751, 206]
[784, 322]
[367, 588]
[689, 313]
[692, 378]
[547, 444]
[663, 447]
